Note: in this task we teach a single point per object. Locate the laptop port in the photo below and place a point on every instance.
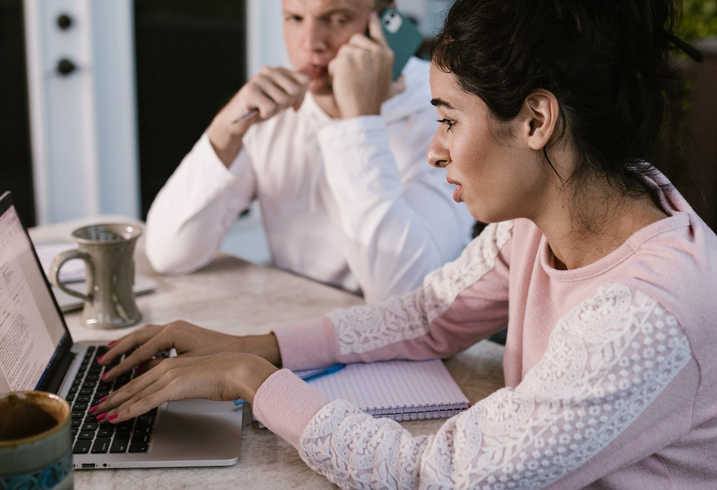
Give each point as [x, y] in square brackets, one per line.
[88, 465]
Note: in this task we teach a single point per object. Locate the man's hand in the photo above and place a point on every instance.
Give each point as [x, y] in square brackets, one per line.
[361, 73]
[270, 91]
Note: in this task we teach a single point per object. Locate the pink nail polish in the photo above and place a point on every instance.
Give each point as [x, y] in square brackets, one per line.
[112, 417]
[140, 369]
[92, 410]
[103, 376]
[101, 417]
[102, 399]
[111, 343]
[99, 359]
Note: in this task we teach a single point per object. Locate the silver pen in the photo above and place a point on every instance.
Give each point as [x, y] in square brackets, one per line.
[246, 116]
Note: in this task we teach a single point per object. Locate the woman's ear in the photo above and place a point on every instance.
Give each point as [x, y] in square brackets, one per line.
[539, 117]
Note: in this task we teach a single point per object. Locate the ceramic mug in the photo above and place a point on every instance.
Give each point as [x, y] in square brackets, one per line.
[35, 441]
[108, 252]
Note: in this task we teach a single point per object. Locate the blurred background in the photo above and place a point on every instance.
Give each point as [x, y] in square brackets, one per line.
[101, 99]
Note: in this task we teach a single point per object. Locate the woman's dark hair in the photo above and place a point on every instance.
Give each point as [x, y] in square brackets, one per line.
[606, 61]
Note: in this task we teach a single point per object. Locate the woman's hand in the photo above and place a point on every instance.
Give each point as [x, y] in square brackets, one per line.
[225, 376]
[188, 340]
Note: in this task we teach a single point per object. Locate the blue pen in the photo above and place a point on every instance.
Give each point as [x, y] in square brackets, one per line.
[308, 376]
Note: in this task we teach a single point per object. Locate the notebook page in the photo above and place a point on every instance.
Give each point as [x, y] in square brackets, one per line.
[395, 387]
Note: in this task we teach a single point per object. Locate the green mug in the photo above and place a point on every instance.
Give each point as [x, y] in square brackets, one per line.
[35, 441]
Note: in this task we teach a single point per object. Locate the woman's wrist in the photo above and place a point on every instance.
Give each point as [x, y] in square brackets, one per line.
[264, 346]
[252, 373]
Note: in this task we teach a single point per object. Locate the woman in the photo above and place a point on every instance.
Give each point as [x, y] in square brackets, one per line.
[603, 273]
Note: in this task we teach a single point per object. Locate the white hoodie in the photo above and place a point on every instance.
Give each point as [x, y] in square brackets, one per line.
[352, 203]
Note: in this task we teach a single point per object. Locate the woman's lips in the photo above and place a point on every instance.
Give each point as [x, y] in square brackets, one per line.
[457, 191]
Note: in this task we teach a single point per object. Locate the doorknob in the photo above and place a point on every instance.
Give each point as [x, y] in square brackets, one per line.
[65, 67]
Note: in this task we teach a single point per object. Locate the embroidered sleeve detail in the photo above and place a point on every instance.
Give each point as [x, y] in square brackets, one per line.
[368, 327]
[607, 361]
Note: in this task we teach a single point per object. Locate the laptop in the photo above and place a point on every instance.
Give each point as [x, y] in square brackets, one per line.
[37, 353]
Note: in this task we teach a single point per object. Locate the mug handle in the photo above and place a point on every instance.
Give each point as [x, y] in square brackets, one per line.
[57, 264]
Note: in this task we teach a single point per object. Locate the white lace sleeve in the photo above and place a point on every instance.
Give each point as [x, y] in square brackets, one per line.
[606, 362]
[368, 327]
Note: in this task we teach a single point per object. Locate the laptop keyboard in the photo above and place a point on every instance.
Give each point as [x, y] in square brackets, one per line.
[89, 436]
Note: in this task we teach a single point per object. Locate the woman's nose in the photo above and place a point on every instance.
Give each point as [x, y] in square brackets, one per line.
[437, 155]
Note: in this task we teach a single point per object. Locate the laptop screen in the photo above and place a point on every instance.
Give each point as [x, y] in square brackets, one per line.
[31, 329]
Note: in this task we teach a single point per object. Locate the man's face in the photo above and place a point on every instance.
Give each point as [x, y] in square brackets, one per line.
[314, 30]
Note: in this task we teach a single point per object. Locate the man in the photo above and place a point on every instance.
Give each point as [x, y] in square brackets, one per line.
[335, 153]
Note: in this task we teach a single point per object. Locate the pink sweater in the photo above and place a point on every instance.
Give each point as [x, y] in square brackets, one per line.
[610, 369]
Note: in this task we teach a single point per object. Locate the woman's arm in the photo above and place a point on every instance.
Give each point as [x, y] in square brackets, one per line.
[462, 302]
[618, 372]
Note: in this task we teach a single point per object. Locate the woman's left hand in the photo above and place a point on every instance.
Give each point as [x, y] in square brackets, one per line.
[225, 376]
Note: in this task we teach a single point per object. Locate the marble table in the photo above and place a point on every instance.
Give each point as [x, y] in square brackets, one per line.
[234, 296]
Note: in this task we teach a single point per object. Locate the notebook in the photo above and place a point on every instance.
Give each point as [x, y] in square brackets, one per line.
[399, 390]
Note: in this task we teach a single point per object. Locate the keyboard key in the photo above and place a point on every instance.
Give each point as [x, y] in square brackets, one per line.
[125, 426]
[78, 414]
[92, 377]
[86, 434]
[145, 421]
[80, 406]
[77, 381]
[76, 423]
[70, 397]
[152, 412]
[142, 430]
[83, 399]
[138, 448]
[120, 443]
[140, 439]
[73, 389]
[101, 445]
[90, 426]
[86, 391]
[74, 432]
[106, 431]
[82, 446]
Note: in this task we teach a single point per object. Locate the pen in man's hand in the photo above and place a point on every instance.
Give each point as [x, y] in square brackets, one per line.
[246, 116]
[308, 376]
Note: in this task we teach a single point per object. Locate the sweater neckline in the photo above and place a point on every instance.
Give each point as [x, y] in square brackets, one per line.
[603, 265]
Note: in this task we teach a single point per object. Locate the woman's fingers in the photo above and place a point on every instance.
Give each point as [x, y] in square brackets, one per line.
[160, 342]
[129, 342]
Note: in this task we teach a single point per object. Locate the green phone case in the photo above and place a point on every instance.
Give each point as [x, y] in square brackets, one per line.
[402, 36]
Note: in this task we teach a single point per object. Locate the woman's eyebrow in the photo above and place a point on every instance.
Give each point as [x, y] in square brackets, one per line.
[441, 103]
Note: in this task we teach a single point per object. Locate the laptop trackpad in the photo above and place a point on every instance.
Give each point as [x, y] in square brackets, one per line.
[200, 406]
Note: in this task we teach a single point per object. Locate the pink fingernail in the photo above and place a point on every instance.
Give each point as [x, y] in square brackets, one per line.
[102, 399]
[99, 359]
[92, 410]
[104, 376]
[111, 343]
[112, 417]
[102, 416]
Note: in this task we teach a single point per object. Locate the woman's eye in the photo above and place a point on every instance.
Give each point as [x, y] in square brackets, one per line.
[340, 20]
[448, 122]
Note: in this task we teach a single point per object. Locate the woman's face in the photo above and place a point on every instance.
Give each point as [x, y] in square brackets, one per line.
[497, 174]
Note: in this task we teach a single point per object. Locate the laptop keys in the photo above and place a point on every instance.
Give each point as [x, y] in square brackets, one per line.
[120, 443]
[82, 446]
[101, 445]
[138, 448]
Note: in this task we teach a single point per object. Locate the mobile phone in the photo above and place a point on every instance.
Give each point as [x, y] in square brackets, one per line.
[402, 35]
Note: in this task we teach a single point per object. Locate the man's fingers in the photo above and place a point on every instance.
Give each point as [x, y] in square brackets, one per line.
[375, 30]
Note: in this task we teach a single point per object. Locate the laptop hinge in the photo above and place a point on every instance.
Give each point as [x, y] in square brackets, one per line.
[53, 383]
